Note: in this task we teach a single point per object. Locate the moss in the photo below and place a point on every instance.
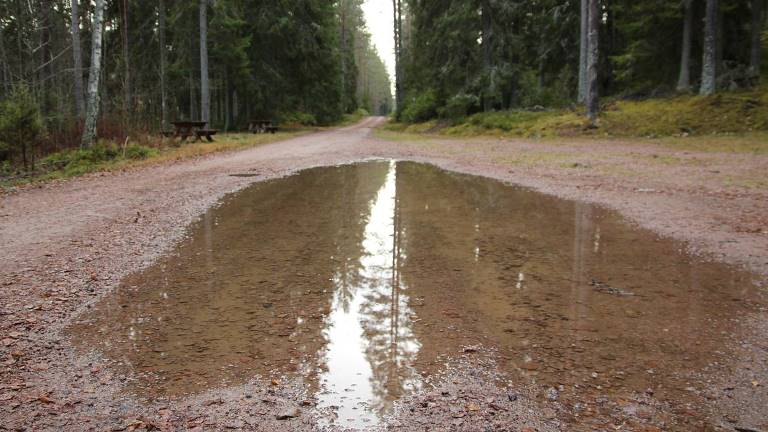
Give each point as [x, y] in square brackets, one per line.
[739, 112]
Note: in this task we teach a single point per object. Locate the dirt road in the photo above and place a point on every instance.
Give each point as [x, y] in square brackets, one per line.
[67, 244]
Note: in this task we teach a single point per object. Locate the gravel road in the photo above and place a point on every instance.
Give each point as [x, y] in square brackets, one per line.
[67, 244]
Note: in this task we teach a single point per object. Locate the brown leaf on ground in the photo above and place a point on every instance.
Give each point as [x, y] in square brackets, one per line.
[45, 399]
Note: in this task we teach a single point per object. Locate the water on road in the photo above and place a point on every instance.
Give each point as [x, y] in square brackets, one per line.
[362, 278]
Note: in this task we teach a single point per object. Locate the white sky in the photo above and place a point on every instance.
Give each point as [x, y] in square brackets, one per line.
[378, 16]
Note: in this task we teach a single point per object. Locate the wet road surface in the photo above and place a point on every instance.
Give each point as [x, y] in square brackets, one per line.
[364, 278]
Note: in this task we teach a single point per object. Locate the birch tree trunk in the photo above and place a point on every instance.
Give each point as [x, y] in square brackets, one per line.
[400, 64]
[583, 41]
[77, 57]
[92, 113]
[163, 91]
[205, 95]
[709, 63]
[757, 28]
[684, 80]
[593, 56]
[395, 9]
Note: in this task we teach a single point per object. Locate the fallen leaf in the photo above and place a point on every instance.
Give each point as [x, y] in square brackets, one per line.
[45, 399]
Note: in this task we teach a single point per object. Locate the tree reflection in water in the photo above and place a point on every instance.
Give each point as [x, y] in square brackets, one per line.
[371, 344]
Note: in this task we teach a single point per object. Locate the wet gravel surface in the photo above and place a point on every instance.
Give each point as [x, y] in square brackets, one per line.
[67, 244]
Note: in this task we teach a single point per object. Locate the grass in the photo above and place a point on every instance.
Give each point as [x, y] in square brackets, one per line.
[105, 156]
[726, 122]
[350, 119]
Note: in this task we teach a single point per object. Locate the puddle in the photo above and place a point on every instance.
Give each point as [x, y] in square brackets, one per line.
[361, 277]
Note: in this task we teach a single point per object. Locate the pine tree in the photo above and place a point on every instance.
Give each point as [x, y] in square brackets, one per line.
[757, 31]
[684, 80]
[77, 59]
[205, 91]
[593, 58]
[709, 63]
[583, 49]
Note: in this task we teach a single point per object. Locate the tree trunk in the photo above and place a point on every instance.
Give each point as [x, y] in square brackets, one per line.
[400, 65]
[77, 57]
[593, 57]
[44, 70]
[709, 64]
[684, 80]
[757, 28]
[92, 113]
[488, 55]
[4, 64]
[192, 96]
[343, 37]
[163, 90]
[205, 95]
[127, 97]
[395, 9]
[227, 102]
[583, 49]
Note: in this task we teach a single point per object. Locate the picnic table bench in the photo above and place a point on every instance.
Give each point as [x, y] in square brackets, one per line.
[262, 126]
[186, 129]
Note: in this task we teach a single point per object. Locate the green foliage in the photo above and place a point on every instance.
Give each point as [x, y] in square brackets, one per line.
[293, 119]
[138, 152]
[20, 124]
[85, 160]
[421, 108]
[518, 55]
[556, 95]
[355, 117]
[459, 106]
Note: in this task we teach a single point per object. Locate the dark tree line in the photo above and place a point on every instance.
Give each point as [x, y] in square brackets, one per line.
[460, 57]
[112, 68]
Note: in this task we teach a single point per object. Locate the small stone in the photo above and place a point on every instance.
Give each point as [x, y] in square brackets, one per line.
[552, 394]
[289, 413]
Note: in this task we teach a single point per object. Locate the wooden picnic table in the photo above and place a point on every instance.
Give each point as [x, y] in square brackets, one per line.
[262, 126]
[186, 129]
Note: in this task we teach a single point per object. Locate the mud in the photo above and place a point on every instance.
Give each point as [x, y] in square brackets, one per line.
[610, 325]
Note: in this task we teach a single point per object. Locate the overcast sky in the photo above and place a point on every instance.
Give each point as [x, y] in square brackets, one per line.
[378, 16]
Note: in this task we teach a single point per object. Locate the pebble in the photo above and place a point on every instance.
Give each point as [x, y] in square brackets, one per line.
[288, 413]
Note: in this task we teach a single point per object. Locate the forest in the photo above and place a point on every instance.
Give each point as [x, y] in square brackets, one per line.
[463, 57]
[72, 71]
